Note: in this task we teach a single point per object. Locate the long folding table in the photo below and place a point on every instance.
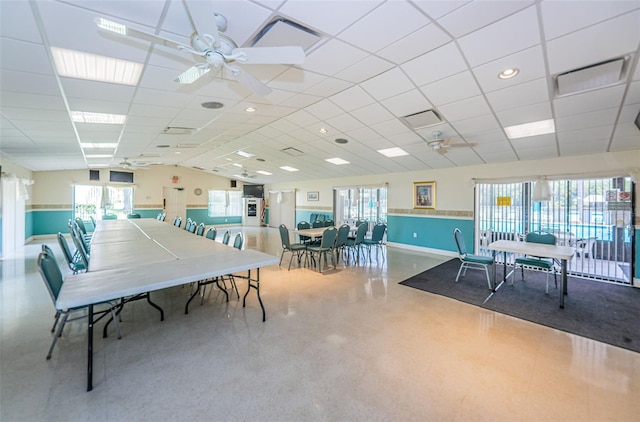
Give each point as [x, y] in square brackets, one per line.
[123, 264]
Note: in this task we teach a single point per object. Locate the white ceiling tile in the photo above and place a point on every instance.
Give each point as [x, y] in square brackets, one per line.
[345, 122]
[323, 59]
[330, 16]
[600, 134]
[633, 94]
[587, 120]
[423, 40]
[431, 66]
[547, 141]
[451, 89]
[538, 153]
[328, 87]
[389, 128]
[324, 109]
[408, 103]
[371, 114]
[24, 28]
[34, 83]
[529, 62]
[507, 36]
[365, 69]
[352, 98]
[24, 57]
[591, 45]
[475, 15]
[525, 94]
[526, 114]
[388, 84]
[489, 136]
[32, 101]
[436, 9]
[582, 149]
[476, 124]
[79, 88]
[465, 109]
[600, 99]
[295, 79]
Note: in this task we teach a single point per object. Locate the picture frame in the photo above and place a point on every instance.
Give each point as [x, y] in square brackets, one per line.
[313, 196]
[424, 195]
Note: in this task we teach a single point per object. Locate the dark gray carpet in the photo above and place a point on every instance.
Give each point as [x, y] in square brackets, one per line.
[601, 311]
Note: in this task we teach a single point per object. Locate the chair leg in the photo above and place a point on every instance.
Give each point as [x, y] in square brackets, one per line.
[459, 271]
[282, 256]
[116, 324]
[486, 270]
[57, 334]
[55, 322]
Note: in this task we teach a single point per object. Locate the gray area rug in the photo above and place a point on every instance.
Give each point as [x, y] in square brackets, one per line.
[600, 311]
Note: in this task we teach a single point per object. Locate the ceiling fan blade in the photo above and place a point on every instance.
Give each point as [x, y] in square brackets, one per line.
[120, 29]
[270, 55]
[194, 73]
[203, 20]
[248, 80]
[470, 145]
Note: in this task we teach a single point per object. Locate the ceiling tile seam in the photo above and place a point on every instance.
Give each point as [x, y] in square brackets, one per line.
[620, 106]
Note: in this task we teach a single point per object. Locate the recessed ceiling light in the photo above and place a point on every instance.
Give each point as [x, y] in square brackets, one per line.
[245, 154]
[288, 168]
[508, 73]
[337, 161]
[250, 110]
[322, 130]
[101, 118]
[76, 64]
[393, 152]
[237, 165]
[105, 145]
[266, 173]
[530, 129]
[212, 104]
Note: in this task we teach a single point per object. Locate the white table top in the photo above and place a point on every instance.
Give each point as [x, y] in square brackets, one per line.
[530, 248]
[313, 232]
[167, 256]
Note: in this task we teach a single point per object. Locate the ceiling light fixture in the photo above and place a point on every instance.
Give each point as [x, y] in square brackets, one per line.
[393, 152]
[250, 110]
[336, 161]
[508, 73]
[322, 130]
[76, 64]
[192, 74]
[237, 165]
[245, 154]
[525, 130]
[89, 145]
[99, 156]
[288, 168]
[266, 173]
[100, 118]
[212, 105]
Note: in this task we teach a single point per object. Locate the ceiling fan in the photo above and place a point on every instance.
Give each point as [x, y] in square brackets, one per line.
[131, 165]
[246, 175]
[441, 145]
[217, 49]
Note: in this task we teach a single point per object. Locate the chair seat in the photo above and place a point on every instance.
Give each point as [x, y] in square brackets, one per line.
[479, 259]
[534, 262]
[297, 247]
[318, 249]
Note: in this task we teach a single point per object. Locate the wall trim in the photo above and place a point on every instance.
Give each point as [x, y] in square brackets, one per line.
[430, 213]
[314, 208]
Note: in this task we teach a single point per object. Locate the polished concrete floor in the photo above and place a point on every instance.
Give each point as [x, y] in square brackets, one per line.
[350, 344]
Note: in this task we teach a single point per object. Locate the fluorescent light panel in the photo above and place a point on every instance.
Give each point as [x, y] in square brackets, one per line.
[266, 173]
[89, 145]
[192, 74]
[76, 64]
[99, 156]
[245, 154]
[336, 161]
[393, 152]
[237, 165]
[526, 130]
[101, 118]
[288, 168]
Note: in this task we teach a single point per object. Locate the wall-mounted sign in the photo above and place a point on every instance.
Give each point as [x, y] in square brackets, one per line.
[175, 180]
[504, 201]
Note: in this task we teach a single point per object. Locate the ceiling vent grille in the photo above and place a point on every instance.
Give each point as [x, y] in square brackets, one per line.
[592, 77]
[293, 152]
[175, 130]
[421, 119]
[283, 32]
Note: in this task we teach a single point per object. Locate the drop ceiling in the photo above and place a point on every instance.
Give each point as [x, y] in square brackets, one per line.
[375, 62]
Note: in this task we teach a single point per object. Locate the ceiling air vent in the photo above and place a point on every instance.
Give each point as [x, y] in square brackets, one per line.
[591, 77]
[175, 130]
[197, 168]
[293, 152]
[422, 119]
[283, 32]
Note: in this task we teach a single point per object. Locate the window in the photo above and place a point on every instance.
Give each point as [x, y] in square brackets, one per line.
[96, 201]
[368, 204]
[225, 203]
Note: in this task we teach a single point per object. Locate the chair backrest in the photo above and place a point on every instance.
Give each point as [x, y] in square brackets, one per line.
[81, 225]
[343, 235]
[177, 222]
[313, 217]
[317, 224]
[193, 227]
[237, 242]
[51, 274]
[46, 249]
[211, 233]
[378, 232]
[329, 237]
[541, 237]
[459, 240]
[329, 223]
[226, 238]
[163, 216]
[200, 229]
[302, 226]
[361, 232]
[284, 236]
[134, 215]
[159, 217]
[82, 251]
[93, 222]
[65, 250]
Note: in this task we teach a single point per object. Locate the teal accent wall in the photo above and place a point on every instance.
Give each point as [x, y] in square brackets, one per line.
[435, 233]
[49, 221]
[28, 224]
[305, 215]
[637, 257]
[266, 216]
[202, 216]
[148, 212]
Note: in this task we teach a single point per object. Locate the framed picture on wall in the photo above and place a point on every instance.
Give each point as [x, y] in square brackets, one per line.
[424, 195]
[313, 196]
